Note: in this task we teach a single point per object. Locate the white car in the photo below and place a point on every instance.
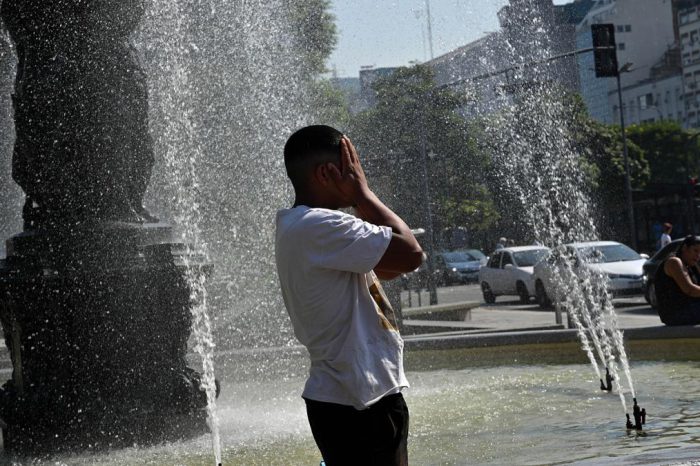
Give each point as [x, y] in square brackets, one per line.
[509, 272]
[621, 264]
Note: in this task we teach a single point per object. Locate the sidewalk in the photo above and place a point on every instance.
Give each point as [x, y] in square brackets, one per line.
[510, 323]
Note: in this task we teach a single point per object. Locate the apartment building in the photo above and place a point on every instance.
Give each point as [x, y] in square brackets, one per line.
[646, 42]
[689, 34]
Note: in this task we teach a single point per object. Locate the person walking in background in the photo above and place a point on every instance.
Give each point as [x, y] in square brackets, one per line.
[502, 241]
[328, 263]
[666, 235]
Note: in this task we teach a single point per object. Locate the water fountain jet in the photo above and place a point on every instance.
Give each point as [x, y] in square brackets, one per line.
[607, 385]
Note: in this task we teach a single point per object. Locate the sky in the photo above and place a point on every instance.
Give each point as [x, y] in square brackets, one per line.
[394, 32]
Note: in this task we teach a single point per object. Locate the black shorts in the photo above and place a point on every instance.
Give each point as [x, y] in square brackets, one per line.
[377, 435]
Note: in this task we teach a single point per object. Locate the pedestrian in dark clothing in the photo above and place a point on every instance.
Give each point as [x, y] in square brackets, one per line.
[677, 290]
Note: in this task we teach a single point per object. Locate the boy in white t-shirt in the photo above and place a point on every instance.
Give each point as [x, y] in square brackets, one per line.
[328, 264]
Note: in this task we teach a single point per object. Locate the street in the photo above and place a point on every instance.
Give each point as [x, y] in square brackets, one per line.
[455, 294]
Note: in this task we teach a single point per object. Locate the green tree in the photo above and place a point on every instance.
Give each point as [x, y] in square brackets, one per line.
[671, 151]
[316, 37]
[602, 161]
[328, 105]
[602, 151]
[413, 118]
[316, 33]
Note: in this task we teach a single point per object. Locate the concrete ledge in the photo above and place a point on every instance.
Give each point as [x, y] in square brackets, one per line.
[460, 312]
[427, 328]
[413, 326]
[461, 340]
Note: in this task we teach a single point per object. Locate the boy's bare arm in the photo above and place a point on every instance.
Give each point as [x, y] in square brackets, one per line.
[404, 254]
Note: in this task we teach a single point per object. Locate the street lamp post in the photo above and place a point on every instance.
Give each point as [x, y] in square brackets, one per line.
[625, 152]
[692, 140]
[429, 231]
[430, 28]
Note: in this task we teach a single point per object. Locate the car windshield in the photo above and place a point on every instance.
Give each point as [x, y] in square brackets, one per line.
[529, 258]
[476, 254]
[608, 253]
[459, 256]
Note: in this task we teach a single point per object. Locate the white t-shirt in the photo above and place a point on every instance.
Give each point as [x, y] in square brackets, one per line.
[337, 307]
[665, 239]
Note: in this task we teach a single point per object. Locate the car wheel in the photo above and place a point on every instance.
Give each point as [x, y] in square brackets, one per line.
[522, 293]
[489, 297]
[651, 295]
[541, 296]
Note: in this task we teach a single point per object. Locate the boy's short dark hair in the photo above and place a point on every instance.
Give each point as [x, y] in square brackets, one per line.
[308, 148]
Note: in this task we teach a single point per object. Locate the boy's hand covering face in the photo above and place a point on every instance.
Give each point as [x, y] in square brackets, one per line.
[350, 178]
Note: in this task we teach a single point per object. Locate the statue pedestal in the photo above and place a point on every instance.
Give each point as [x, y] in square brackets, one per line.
[97, 319]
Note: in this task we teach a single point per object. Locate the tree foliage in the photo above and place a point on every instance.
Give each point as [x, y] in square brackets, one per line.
[416, 130]
[316, 32]
[602, 153]
[671, 151]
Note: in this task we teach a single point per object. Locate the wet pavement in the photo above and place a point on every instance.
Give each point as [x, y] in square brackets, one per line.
[508, 321]
[507, 313]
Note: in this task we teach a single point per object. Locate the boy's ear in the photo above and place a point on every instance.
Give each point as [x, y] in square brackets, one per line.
[323, 174]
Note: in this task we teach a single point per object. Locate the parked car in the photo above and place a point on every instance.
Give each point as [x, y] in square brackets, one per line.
[509, 272]
[651, 266]
[621, 264]
[458, 267]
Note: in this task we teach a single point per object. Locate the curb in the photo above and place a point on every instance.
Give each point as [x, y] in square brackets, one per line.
[528, 337]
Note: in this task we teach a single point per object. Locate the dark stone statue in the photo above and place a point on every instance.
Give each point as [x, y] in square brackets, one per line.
[83, 151]
[94, 300]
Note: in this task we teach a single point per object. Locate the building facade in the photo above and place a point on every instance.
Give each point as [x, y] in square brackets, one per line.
[531, 31]
[647, 48]
[368, 76]
[689, 34]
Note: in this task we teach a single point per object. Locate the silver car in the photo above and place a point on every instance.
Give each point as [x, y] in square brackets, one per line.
[509, 272]
[621, 264]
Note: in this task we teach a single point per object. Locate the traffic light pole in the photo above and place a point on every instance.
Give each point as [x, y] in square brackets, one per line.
[628, 181]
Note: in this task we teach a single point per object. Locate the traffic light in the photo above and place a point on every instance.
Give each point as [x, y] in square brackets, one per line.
[605, 50]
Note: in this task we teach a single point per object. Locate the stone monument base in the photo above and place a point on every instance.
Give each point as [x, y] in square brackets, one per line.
[97, 319]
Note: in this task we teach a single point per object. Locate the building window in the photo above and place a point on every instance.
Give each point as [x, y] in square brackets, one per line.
[621, 46]
[628, 28]
[620, 28]
[646, 101]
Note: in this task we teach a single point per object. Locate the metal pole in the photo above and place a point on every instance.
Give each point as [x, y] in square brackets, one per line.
[628, 182]
[430, 28]
[690, 188]
[432, 287]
